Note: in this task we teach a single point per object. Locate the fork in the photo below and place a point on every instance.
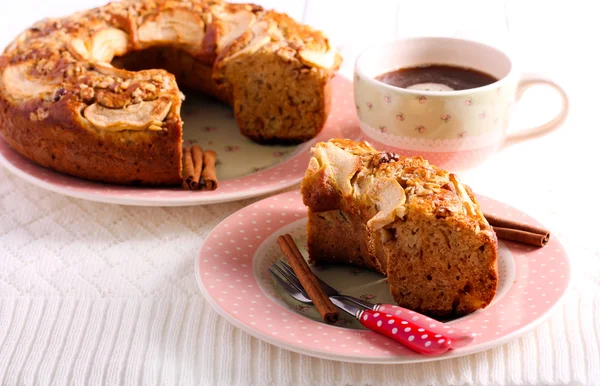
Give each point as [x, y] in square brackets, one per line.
[415, 331]
[459, 338]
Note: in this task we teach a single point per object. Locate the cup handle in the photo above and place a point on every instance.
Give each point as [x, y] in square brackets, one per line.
[532, 79]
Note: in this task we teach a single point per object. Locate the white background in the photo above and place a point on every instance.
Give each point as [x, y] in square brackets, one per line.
[93, 293]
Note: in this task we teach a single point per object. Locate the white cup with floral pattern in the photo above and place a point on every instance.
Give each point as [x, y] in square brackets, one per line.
[452, 129]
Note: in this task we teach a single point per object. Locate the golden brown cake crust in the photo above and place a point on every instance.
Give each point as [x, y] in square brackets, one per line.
[65, 106]
[404, 218]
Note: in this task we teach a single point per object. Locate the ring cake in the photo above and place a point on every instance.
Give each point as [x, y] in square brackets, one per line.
[67, 103]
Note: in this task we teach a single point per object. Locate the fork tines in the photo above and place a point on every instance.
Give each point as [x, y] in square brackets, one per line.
[289, 282]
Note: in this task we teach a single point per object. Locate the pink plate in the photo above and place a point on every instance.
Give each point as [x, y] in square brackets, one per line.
[247, 169]
[232, 274]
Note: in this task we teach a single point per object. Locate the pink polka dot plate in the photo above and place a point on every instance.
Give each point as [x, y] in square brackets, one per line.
[245, 169]
[232, 273]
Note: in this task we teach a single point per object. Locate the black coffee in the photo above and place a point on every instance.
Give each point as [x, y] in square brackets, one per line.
[437, 77]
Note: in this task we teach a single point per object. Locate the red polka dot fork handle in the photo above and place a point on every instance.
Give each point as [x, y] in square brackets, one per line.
[415, 331]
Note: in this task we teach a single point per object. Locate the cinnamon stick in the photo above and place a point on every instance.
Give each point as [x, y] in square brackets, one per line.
[520, 236]
[198, 162]
[505, 223]
[309, 281]
[209, 173]
[188, 168]
[515, 231]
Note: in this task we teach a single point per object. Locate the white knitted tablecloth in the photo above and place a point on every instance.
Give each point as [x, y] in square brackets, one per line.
[94, 293]
[104, 294]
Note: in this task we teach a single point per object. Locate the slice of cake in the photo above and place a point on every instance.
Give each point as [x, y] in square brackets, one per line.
[404, 218]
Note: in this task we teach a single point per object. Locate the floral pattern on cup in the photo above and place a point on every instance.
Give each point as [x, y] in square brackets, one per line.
[232, 148]
[210, 129]
[439, 126]
[428, 117]
[472, 111]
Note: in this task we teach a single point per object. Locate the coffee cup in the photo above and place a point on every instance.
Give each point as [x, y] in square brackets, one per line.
[454, 129]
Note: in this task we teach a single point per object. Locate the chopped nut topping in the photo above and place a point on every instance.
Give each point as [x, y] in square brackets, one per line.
[39, 115]
[286, 53]
[442, 212]
[71, 56]
[421, 191]
[42, 113]
[385, 157]
[59, 94]
[449, 186]
[137, 93]
[412, 180]
[86, 93]
[149, 87]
